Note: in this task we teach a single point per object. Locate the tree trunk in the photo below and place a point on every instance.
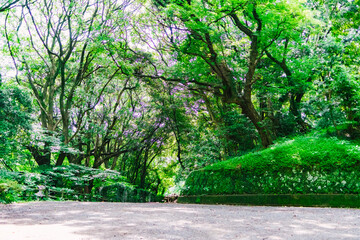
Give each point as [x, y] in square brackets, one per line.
[60, 159]
[89, 186]
[250, 112]
[42, 157]
[114, 163]
[143, 170]
[295, 98]
[295, 101]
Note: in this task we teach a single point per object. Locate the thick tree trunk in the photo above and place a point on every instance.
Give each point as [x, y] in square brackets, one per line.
[295, 101]
[97, 162]
[250, 112]
[60, 159]
[42, 157]
[143, 170]
[114, 163]
[295, 98]
[89, 187]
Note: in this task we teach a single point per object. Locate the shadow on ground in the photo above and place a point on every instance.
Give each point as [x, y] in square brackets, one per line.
[75, 220]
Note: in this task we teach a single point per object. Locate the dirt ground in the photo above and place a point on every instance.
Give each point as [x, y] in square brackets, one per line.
[78, 220]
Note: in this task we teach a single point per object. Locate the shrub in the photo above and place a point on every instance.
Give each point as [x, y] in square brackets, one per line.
[10, 191]
[71, 182]
[76, 182]
[301, 165]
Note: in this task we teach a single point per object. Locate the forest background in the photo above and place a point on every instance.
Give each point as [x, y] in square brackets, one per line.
[97, 92]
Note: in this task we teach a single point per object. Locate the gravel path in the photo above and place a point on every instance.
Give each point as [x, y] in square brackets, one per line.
[76, 220]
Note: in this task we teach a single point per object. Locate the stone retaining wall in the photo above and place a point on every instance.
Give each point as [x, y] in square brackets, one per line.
[299, 200]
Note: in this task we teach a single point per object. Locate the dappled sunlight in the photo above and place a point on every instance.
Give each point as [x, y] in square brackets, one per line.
[72, 220]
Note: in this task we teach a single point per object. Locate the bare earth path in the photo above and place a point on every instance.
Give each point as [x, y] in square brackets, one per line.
[75, 220]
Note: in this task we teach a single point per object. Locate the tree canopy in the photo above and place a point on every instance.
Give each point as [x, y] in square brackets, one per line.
[156, 89]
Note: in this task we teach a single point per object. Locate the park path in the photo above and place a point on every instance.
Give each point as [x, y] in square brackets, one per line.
[81, 220]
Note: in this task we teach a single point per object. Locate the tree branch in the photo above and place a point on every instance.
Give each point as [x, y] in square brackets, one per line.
[5, 6]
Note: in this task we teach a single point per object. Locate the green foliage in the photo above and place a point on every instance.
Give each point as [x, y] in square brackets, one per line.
[236, 133]
[301, 152]
[71, 182]
[78, 182]
[301, 165]
[221, 78]
[121, 192]
[15, 120]
[9, 191]
[15, 109]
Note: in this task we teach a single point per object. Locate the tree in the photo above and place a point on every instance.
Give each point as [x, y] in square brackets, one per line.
[225, 42]
[335, 75]
[56, 51]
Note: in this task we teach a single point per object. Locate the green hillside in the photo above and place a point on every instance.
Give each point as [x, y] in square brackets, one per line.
[302, 165]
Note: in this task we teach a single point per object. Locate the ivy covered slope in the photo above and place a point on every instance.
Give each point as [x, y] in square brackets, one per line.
[302, 165]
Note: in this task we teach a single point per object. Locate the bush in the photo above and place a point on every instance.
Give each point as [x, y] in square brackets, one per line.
[18, 186]
[71, 182]
[10, 191]
[302, 165]
[76, 182]
[122, 192]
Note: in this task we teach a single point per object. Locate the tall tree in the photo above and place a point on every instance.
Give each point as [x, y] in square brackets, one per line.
[217, 46]
[56, 50]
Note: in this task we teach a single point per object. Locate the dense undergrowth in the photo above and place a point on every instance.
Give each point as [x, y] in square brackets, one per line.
[301, 165]
[71, 182]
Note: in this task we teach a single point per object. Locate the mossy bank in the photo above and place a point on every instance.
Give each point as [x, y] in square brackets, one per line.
[304, 165]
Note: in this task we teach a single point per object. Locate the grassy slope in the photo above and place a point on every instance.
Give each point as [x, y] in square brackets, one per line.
[303, 152]
[305, 164]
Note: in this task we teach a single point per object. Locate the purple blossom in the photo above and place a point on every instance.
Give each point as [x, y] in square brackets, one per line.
[136, 114]
[126, 133]
[158, 143]
[195, 107]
